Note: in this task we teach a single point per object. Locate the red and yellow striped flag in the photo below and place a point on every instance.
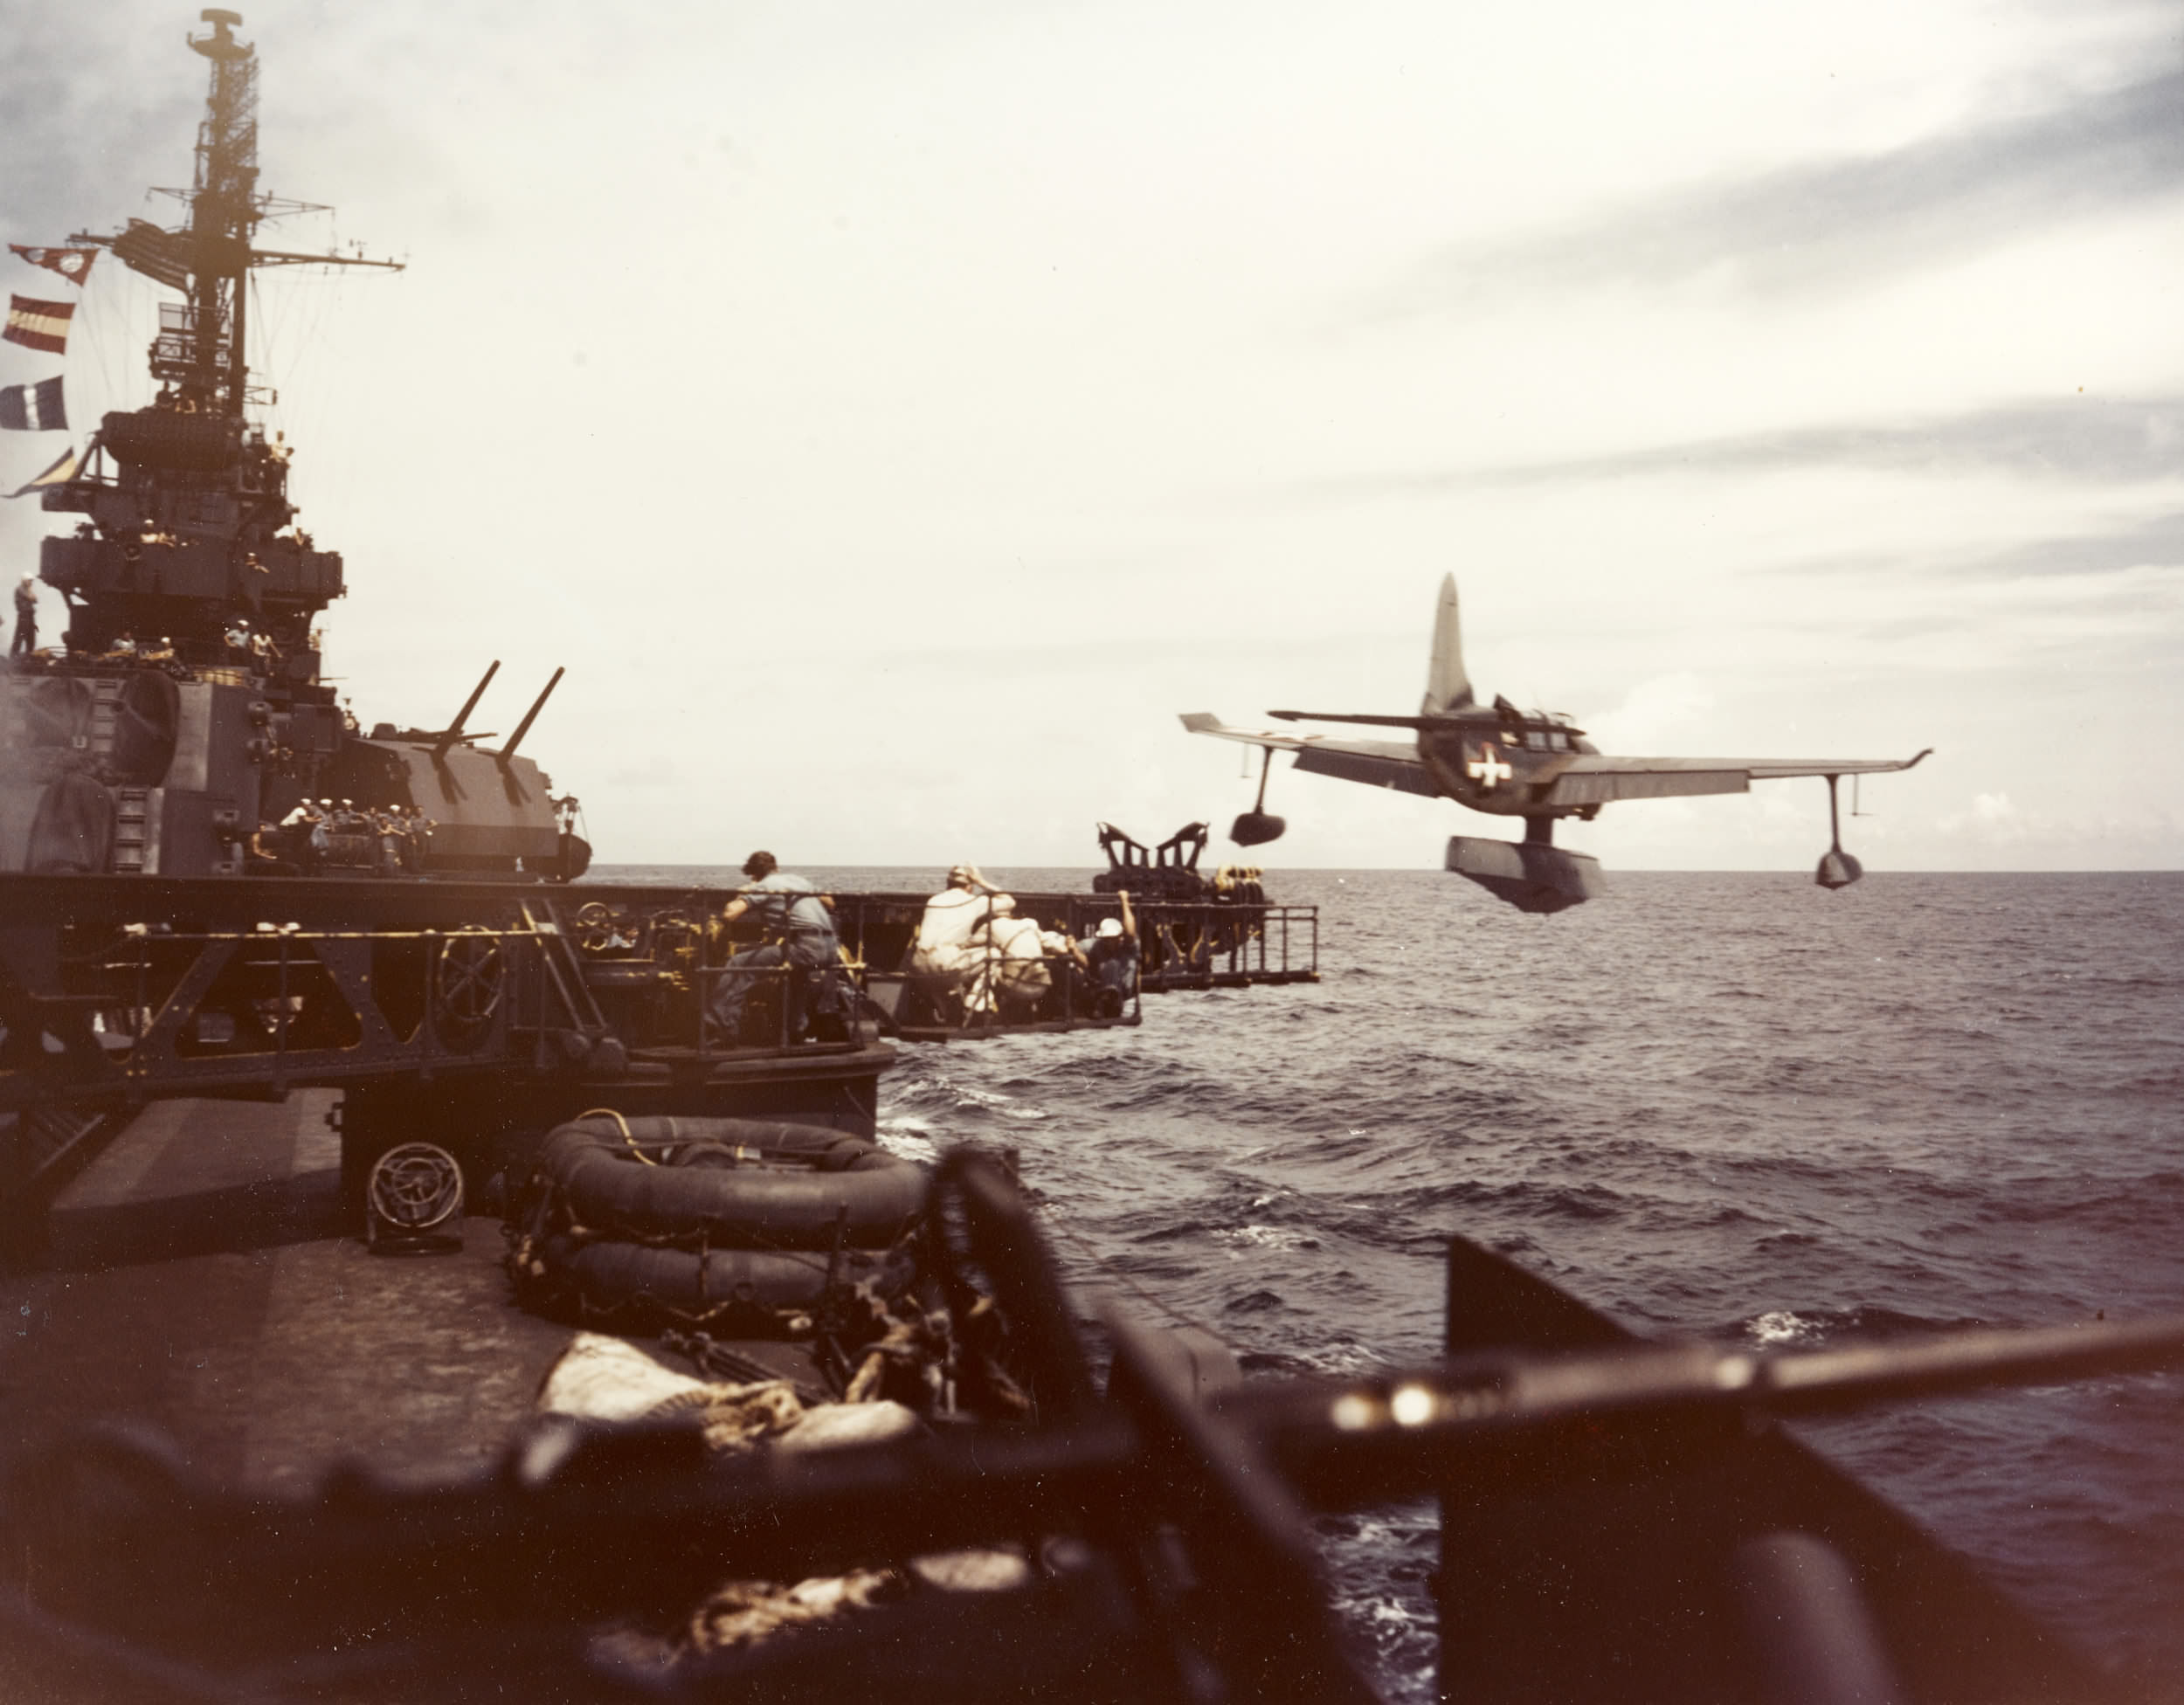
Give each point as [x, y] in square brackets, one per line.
[39, 325]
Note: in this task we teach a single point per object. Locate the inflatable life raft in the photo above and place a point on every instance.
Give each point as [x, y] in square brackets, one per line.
[682, 1219]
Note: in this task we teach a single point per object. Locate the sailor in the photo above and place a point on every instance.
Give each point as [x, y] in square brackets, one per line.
[1111, 957]
[388, 826]
[25, 617]
[952, 973]
[799, 929]
[1016, 956]
[416, 828]
[300, 835]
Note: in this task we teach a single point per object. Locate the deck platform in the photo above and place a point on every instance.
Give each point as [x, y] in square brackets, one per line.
[197, 1282]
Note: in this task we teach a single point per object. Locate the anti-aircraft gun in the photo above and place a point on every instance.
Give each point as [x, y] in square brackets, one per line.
[185, 713]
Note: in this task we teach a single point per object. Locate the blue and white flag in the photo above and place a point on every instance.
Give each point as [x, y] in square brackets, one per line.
[33, 408]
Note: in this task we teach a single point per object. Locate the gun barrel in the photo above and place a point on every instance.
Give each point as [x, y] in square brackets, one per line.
[1342, 1444]
[531, 715]
[454, 729]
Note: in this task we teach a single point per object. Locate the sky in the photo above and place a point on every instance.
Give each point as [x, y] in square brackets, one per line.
[894, 416]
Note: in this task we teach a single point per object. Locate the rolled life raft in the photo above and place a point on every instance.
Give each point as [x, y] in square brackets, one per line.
[663, 1219]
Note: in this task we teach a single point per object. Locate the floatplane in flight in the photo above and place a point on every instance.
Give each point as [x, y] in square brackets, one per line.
[1510, 762]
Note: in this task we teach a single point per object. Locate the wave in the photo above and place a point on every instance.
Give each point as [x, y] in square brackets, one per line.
[1723, 1106]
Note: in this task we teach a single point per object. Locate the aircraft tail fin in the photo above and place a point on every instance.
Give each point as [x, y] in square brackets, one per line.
[1448, 687]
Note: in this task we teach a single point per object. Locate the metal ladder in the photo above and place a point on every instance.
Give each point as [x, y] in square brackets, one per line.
[132, 809]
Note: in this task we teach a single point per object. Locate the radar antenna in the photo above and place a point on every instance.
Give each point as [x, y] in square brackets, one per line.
[200, 347]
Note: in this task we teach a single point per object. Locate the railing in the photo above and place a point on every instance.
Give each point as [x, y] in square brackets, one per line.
[1191, 945]
[130, 1011]
[1181, 944]
[794, 993]
[984, 995]
[152, 1011]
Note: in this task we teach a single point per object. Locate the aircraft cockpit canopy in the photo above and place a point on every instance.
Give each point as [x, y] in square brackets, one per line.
[1541, 730]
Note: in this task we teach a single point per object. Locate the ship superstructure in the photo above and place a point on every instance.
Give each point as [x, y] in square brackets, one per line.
[184, 718]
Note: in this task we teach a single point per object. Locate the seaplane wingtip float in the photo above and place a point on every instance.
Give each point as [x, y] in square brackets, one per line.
[1535, 765]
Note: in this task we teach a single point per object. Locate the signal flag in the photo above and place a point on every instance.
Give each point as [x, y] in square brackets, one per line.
[74, 265]
[38, 325]
[58, 475]
[33, 408]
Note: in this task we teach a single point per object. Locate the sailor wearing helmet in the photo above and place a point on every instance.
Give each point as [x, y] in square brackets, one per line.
[1111, 957]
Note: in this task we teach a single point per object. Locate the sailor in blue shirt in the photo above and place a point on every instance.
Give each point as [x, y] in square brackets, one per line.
[1112, 956]
[799, 932]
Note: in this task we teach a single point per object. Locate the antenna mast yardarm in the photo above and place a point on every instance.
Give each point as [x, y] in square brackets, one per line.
[201, 347]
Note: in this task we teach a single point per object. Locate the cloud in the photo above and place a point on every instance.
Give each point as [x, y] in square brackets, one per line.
[2145, 830]
[2084, 439]
[1996, 819]
[2111, 626]
[1851, 221]
[2155, 541]
[73, 136]
[2112, 554]
[1653, 714]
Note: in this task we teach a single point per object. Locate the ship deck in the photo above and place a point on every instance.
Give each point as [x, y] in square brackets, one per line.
[196, 1281]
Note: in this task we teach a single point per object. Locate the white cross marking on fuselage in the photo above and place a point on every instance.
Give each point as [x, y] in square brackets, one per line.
[1487, 768]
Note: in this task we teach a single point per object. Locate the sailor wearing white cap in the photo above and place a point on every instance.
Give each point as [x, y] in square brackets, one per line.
[25, 617]
[1112, 956]
[954, 975]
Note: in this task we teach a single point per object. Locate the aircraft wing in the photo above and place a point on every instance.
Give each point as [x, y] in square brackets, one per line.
[1594, 779]
[1375, 762]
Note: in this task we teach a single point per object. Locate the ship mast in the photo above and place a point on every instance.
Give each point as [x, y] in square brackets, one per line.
[190, 535]
[201, 347]
[222, 217]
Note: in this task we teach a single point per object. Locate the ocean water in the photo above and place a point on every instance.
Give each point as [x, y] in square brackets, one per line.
[1730, 1106]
